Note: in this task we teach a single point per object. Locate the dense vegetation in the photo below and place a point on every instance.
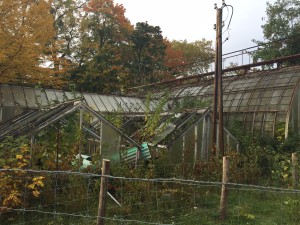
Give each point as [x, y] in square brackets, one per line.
[90, 44]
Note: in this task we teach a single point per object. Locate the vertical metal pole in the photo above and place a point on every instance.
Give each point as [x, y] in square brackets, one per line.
[196, 143]
[215, 106]
[80, 145]
[57, 144]
[205, 131]
[220, 85]
[103, 192]
[101, 136]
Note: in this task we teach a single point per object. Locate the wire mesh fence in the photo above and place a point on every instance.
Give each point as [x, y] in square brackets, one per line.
[172, 194]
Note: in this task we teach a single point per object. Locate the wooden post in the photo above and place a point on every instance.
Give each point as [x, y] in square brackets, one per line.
[295, 170]
[225, 178]
[103, 192]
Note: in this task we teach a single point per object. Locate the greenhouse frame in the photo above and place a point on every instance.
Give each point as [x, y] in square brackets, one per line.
[260, 101]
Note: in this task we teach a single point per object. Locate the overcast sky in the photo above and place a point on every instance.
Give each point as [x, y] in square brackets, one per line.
[194, 19]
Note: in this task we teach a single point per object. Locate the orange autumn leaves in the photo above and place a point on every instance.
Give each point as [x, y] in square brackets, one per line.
[57, 43]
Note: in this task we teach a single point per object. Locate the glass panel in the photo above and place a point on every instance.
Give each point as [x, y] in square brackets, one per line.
[283, 107]
[259, 117]
[274, 100]
[294, 79]
[60, 96]
[264, 102]
[133, 105]
[51, 96]
[113, 103]
[249, 117]
[19, 96]
[226, 105]
[157, 94]
[229, 87]
[106, 103]
[284, 80]
[277, 93]
[225, 96]
[121, 105]
[125, 104]
[266, 93]
[268, 128]
[285, 100]
[154, 104]
[175, 93]
[190, 91]
[90, 102]
[118, 103]
[209, 90]
[141, 105]
[7, 96]
[281, 117]
[288, 92]
[252, 83]
[72, 95]
[203, 90]
[8, 112]
[233, 108]
[30, 97]
[41, 97]
[235, 102]
[257, 126]
[273, 81]
[269, 117]
[99, 103]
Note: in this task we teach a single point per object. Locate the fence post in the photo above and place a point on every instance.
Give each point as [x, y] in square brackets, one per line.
[103, 192]
[225, 178]
[295, 170]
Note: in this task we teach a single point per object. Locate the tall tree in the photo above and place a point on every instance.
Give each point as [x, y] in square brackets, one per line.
[25, 30]
[103, 47]
[149, 51]
[67, 18]
[184, 58]
[281, 30]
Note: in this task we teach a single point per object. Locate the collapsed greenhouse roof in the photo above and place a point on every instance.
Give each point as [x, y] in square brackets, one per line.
[16, 99]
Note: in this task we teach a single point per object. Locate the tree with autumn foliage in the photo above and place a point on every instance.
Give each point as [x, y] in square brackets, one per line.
[26, 27]
[103, 47]
[185, 59]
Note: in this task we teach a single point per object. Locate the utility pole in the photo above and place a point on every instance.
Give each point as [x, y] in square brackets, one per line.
[218, 88]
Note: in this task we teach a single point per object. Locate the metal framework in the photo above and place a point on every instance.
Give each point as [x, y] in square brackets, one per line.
[262, 101]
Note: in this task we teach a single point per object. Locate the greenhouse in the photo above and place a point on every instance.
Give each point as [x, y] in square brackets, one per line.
[186, 134]
[262, 101]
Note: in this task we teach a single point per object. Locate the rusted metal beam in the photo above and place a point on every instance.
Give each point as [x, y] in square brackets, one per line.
[247, 67]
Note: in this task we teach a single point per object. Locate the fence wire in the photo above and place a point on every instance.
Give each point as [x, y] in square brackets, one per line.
[67, 197]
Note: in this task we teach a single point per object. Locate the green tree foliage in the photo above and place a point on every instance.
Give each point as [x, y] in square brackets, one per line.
[149, 51]
[64, 46]
[104, 35]
[90, 44]
[281, 30]
[186, 58]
